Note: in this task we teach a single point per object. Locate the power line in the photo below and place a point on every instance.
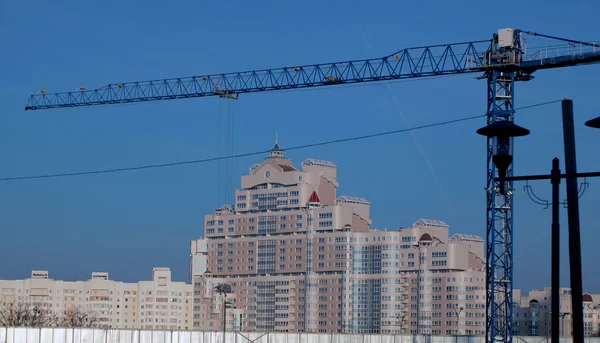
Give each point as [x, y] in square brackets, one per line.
[218, 158]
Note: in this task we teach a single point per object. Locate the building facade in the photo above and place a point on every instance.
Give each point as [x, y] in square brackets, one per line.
[157, 304]
[531, 313]
[300, 258]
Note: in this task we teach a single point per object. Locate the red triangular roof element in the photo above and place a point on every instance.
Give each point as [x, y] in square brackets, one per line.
[314, 197]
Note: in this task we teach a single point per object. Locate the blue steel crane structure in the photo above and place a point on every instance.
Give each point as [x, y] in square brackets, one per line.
[502, 60]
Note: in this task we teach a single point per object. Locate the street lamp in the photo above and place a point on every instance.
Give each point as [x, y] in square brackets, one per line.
[223, 289]
[502, 132]
[593, 123]
[400, 319]
[458, 311]
[562, 316]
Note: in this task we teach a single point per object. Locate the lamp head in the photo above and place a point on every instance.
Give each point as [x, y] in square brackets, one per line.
[502, 132]
[503, 128]
[594, 123]
[223, 288]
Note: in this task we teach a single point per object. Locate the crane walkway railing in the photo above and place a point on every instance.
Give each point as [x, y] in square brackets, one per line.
[562, 50]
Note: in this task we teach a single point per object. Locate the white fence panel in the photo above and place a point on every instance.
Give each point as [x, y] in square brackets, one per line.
[197, 337]
[213, 337]
[28, 335]
[145, 336]
[161, 337]
[282, 338]
[83, 335]
[70, 335]
[120, 336]
[61, 335]
[50, 335]
[355, 338]
[181, 337]
[316, 338]
[380, 339]
[532, 339]
[252, 337]
[291, 338]
[34, 335]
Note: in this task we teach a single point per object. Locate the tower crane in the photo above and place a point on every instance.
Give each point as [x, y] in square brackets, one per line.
[502, 60]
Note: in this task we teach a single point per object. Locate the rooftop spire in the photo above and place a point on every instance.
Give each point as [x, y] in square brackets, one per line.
[276, 151]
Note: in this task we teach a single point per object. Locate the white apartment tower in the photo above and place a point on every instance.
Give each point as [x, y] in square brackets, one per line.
[300, 258]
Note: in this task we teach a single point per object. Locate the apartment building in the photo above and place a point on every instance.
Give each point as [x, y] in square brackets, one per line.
[300, 258]
[157, 304]
[531, 313]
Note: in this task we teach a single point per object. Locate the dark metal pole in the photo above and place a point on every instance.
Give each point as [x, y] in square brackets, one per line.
[224, 316]
[419, 292]
[457, 322]
[555, 306]
[573, 214]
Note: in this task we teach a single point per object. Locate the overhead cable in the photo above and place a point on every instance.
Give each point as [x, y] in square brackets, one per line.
[298, 147]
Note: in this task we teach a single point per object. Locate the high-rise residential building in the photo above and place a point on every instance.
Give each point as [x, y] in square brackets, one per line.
[531, 313]
[157, 304]
[300, 258]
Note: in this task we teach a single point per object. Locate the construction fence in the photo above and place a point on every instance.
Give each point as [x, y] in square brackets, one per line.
[80, 335]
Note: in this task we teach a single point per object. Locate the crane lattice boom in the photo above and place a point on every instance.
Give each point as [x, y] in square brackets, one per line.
[428, 61]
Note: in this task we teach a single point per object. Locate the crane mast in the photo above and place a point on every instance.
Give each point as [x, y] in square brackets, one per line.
[502, 61]
[506, 50]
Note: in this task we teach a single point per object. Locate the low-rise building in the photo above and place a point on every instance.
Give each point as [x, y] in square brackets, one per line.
[157, 304]
[531, 313]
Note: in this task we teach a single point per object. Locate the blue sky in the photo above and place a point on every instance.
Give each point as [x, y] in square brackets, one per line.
[125, 223]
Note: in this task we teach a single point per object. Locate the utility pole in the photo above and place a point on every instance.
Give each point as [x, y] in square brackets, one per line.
[555, 282]
[573, 214]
